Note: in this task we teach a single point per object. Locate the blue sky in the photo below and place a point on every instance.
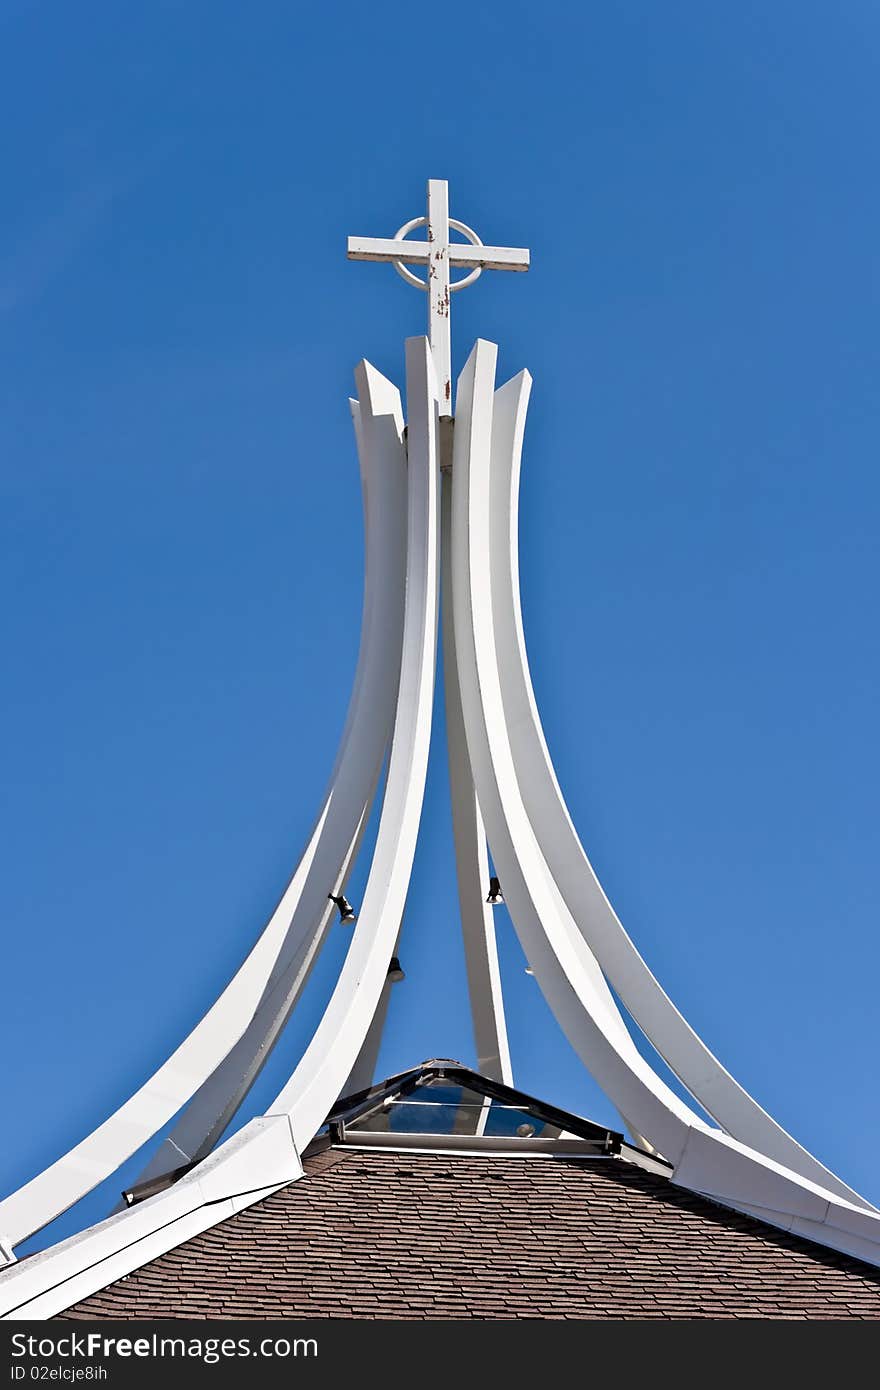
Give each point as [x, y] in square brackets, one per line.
[181, 546]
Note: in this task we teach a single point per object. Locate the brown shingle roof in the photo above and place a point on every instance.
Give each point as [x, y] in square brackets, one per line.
[384, 1234]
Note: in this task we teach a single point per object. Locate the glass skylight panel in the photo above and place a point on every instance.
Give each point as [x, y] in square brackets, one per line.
[439, 1106]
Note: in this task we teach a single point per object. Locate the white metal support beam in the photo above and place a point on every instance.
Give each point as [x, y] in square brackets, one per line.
[687, 1055]
[278, 964]
[331, 1055]
[378, 423]
[265, 1153]
[471, 857]
[703, 1159]
[363, 1073]
[439, 327]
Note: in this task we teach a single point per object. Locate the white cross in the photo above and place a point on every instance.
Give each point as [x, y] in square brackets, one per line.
[438, 254]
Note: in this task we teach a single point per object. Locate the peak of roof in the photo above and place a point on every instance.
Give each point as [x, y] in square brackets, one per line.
[380, 1234]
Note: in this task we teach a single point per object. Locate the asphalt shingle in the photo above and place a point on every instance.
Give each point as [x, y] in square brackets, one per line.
[377, 1236]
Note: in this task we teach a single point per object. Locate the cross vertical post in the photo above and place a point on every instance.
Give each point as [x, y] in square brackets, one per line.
[439, 327]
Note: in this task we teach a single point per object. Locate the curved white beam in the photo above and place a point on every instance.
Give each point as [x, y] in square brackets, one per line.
[379, 429]
[334, 1049]
[478, 418]
[556, 952]
[703, 1158]
[330, 848]
[264, 1155]
[681, 1048]
[257, 1160]
[362, 1074]
[469, 838]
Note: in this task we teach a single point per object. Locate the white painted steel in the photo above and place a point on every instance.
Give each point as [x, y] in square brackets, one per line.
[50, 1282]
[438, 254]
[471, 857]
[360, 1078]
[331, 1055]
[374, 248]
[275, 957]
[681, 1048]
[414, 280]
[53, 1280]
[704, 1159]
[603, 999]
[256, 1161]
[82, 1168]
[439, 327]
[554, 948]
[379, 431]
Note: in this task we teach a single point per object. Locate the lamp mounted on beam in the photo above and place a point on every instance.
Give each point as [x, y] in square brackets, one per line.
[347, 914]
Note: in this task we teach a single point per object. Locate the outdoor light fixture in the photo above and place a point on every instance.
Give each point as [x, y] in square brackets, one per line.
[347, 914]
[395, 970]
[495, 895]
[152, 1186]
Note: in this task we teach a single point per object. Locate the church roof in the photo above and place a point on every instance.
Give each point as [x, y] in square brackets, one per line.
[511, 1215]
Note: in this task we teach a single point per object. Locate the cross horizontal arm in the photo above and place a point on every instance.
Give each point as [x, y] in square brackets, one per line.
[374, 248]
[364, 248]
[489, 257]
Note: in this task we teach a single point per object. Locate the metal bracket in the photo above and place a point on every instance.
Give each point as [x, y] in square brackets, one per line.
[447, 427]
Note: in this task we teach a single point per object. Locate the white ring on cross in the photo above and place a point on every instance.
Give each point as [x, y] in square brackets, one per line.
[420, 284]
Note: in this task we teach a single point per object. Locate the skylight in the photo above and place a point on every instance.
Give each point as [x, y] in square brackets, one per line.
[445, 1100]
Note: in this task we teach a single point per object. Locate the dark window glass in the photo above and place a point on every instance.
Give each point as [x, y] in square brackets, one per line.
[440, 1107]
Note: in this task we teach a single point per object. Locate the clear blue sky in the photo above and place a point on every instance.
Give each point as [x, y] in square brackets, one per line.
[181, 542]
